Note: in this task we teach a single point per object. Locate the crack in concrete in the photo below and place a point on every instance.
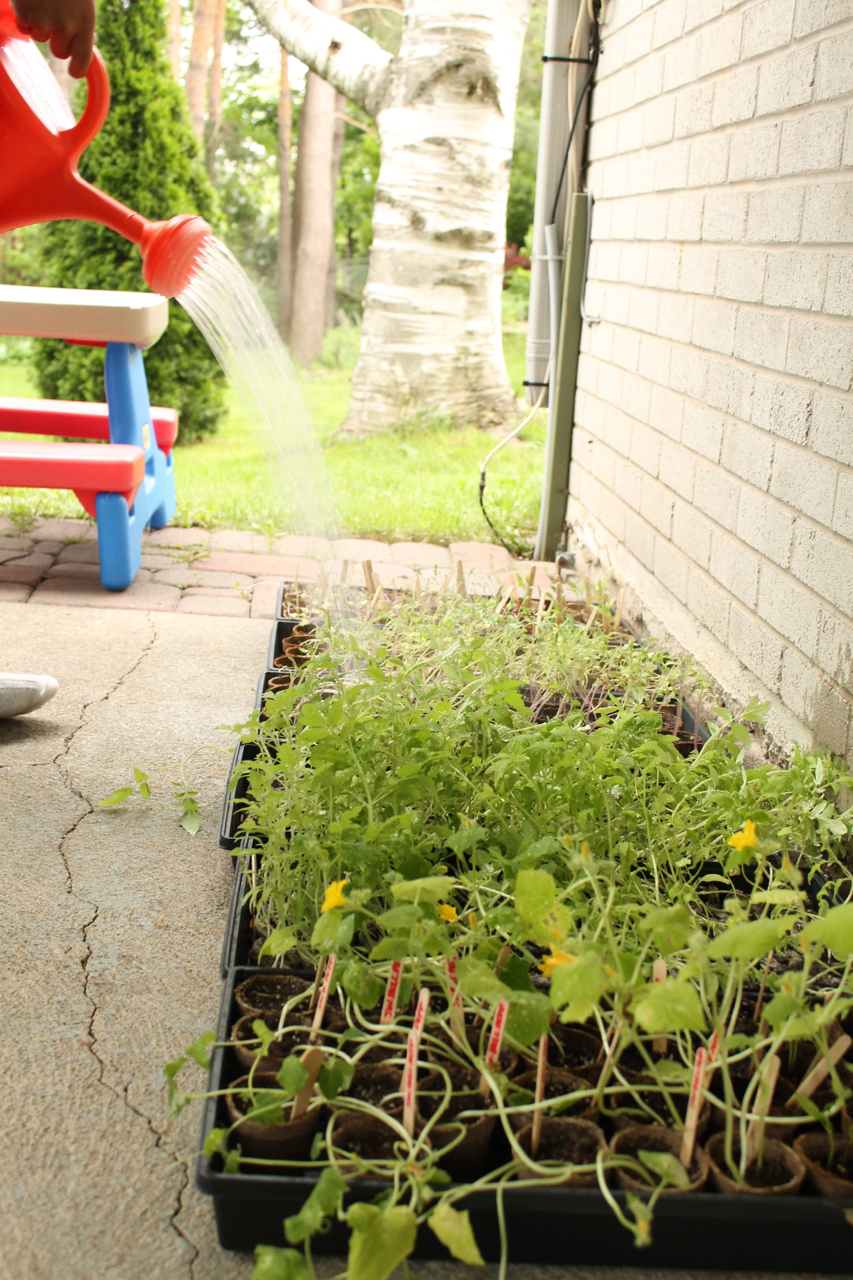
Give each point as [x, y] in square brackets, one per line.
[60, 761]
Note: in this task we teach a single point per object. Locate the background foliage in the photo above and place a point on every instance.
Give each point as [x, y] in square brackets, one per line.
[145, 156]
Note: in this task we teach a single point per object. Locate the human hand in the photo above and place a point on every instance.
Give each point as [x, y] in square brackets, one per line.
[69, 25]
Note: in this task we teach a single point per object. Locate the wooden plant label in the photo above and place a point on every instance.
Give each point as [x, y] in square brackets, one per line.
[493, 1049]
[769, 1076]
[410, 1071]
[312, 1060]
[659, 975]
[694, 1106]
[457, 1014]
[539, 1096]
[817, 1073]
[392, 993]
[323, 997]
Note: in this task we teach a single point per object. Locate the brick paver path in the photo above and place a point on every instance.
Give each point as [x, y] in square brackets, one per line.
[234, 573]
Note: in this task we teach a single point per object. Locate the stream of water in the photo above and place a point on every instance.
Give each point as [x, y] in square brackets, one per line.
[227, 308]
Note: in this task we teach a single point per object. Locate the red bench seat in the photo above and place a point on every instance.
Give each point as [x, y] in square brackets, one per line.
[77, 419]
[87, 469]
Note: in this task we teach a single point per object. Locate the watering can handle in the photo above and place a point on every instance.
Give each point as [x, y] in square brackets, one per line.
[97, 106]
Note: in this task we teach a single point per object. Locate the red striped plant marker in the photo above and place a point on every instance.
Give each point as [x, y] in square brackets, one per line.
[410, 1073]
[694, 1106]
[392, 994]
[493, 1050]
[322, 999]
[457, 1014]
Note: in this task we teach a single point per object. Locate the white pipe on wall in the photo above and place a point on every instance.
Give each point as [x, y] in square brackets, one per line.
[553, 135]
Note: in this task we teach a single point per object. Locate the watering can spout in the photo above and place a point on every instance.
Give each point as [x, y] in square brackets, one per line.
[41, 145]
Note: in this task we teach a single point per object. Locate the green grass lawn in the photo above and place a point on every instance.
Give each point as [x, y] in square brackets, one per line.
[407, 484]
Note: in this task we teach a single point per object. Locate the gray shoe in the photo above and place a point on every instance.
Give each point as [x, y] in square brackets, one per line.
[21, 693]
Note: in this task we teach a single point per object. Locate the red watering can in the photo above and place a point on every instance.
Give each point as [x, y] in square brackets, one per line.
[40, 145]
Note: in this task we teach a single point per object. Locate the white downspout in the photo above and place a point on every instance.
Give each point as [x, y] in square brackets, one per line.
[553, 135]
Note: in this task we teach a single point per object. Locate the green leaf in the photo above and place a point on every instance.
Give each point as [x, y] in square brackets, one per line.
[576, 988]
[546, 921]
[778, 897]
[362, 985]
[391, 949]
[453, 1228]
[322, 1203]
[642, 1218]
[265, 1034]
[334, 1077]
[427, 889]
[466, 837]
[400, 918]
[198, 1050]
[177, 1100]
[215, 1143]
[333, 931]
[670, 928]
[291, 1076]
[145, 791]
[272, 1263]
[750, 940]
[671, 1005]
[381, 1239]
[278, 943]
[667, 1167]
[529, 1016]
[139, 776]
[190, 820]
[833, 931]
[479, 980]
[117, 797]
[516, 974]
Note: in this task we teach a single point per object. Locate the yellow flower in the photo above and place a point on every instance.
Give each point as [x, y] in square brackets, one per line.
[550, 963]
[472, 920]
[745, 839]
[334, 896]
[447, 913]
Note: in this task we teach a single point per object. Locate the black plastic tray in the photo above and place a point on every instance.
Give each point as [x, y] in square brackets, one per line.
[548, 1226]
[281, 628]
[229, 823]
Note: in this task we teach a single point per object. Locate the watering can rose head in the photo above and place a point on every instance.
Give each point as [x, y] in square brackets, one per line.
[41, 145]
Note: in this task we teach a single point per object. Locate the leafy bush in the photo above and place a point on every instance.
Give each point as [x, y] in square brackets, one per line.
[146, 157]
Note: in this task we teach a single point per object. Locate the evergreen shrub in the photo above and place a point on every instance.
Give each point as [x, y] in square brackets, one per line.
[145, 156]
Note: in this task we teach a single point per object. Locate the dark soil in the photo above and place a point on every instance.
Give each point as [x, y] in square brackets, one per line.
[569, 1143]
[465, 1096]
[296, 1033]
[575, 1048]
[647, 1138]
[374, 1082]
[367, 1137]
[268, 993]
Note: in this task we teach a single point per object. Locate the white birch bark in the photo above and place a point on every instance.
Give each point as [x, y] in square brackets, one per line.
[444, 108]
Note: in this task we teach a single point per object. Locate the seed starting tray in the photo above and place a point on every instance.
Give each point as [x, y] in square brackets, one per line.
[545, 1226]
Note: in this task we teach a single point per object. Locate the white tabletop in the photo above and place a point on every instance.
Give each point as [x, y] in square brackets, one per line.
[94, 315]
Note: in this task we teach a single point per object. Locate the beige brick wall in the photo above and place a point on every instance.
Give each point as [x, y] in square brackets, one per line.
[713, 447]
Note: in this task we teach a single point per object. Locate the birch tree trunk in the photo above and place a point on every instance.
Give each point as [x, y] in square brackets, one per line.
[175, 38]
[445, 108]
[313, 201]
[214, 93]
[195, 84]
[284, 266]
[337, 153]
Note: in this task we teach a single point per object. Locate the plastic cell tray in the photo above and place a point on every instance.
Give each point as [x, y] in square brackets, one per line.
[548, 1226]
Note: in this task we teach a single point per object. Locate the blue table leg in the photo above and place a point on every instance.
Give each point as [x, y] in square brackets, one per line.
[119, 529]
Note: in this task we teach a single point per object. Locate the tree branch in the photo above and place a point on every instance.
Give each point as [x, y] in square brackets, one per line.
[353, 63]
